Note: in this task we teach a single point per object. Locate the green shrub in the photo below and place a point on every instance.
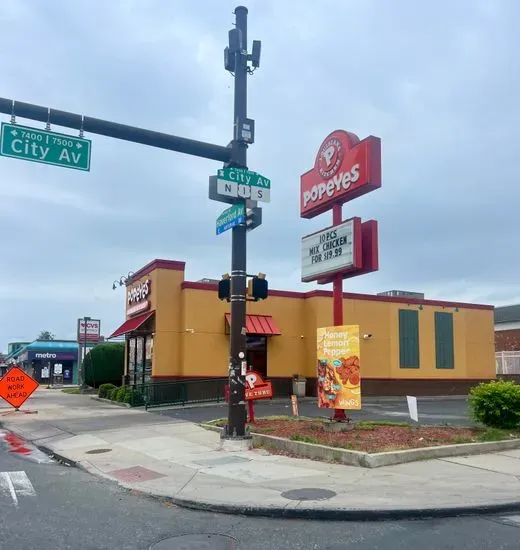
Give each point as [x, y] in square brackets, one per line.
[104, 364]
[128, 395]
[112, 394]
[496, 404]
[120, 395]
[105, 389]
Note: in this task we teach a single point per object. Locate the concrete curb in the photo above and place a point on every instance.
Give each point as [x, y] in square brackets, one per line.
[322, 514]
[346, 514]
[374, 460]
[110, 402]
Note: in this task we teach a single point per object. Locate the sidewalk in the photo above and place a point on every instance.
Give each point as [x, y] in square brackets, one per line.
[183, 462]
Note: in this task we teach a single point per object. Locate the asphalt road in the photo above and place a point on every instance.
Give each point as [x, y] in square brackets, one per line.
[55, 507]
[431, 411]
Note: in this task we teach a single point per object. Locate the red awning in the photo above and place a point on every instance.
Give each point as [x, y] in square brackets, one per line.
[132, 324]
[259, 324]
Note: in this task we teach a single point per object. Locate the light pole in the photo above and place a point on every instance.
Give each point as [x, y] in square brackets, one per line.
[81, 370]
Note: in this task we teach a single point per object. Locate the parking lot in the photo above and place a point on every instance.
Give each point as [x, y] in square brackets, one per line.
[432, 410]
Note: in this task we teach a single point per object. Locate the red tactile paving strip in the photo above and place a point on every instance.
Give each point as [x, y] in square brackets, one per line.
[135, 474]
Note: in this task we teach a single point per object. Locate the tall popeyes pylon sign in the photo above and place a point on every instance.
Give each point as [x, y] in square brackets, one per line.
[345, 168]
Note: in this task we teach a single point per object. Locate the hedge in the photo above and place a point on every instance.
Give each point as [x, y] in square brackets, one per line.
[104, 364]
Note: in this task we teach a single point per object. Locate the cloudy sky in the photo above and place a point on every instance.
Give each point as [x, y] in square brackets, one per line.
[437, 81]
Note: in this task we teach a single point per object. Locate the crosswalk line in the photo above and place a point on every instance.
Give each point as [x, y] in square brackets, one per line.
[16, 484]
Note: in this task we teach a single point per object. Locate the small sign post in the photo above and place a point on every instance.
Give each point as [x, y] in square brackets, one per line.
[45, 147]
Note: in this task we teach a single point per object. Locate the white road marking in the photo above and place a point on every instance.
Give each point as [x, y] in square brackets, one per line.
[16, 484]
[6, 483]
[511, 519]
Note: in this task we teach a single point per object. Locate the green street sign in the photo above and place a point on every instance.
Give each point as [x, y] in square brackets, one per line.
[232, 216]
[245, 184]
[46, 147]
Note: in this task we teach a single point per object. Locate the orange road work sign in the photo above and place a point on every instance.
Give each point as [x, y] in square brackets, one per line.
[16, 387]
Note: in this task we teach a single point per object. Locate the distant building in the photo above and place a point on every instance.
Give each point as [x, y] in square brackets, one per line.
[42, 358]
[402, 294]
[507, 328]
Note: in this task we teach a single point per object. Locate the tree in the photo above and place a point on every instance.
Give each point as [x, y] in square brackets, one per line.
[46, 335]
[104, 363]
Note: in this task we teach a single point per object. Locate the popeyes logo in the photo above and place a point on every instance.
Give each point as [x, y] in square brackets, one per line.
[139, 292]
[345, 168]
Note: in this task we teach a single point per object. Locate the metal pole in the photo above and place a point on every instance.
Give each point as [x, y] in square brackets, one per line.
[85, 319]
[114, 130]
[337, 298]
[237, 411]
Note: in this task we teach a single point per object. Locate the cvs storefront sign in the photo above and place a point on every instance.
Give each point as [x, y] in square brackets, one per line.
[89, 330]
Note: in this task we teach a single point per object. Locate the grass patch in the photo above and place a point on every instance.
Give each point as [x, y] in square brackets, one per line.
[305, 439]
[220, 422]
[72, 391]
[496, 434]
[366, 424]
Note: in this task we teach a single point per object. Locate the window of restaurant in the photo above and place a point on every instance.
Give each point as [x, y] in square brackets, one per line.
[139, 360]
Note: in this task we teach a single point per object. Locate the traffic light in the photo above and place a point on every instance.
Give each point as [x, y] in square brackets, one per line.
[224, 288]
[253, 217]
[258, 289]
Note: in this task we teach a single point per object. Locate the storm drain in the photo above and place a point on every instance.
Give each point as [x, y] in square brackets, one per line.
[197, 542]
[308, 494]
[98, 451]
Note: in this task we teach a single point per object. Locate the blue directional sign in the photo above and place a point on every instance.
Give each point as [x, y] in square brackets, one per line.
[232, 216]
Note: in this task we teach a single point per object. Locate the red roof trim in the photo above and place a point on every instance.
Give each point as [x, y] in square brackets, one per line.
[347, 296]
[259, 324]
[131, 324]
[157, 264]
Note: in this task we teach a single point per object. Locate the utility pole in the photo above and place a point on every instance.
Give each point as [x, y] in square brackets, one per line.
[81, 370]
[237, 383]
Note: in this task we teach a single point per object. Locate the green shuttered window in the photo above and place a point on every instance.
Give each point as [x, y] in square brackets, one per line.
[444, 349]
[408, 339]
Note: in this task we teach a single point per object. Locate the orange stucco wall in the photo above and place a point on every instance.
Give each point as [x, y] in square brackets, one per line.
[190, 335]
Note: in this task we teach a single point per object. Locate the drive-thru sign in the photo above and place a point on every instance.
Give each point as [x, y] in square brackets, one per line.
[16, 387]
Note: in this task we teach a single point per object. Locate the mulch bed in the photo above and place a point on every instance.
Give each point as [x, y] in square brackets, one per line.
[367, 437]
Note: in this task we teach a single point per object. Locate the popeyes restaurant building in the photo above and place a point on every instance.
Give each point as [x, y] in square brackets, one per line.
[178, 329]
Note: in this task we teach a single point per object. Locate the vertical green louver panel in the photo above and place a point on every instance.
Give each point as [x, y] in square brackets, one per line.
[408, 339]
[444, 348]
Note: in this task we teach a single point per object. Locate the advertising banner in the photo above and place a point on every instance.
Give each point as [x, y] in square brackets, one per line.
[339, 377]
[334, 250]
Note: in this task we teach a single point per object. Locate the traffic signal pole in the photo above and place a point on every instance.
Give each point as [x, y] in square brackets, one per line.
[235, 156]
[237, 355]
[114, 130]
